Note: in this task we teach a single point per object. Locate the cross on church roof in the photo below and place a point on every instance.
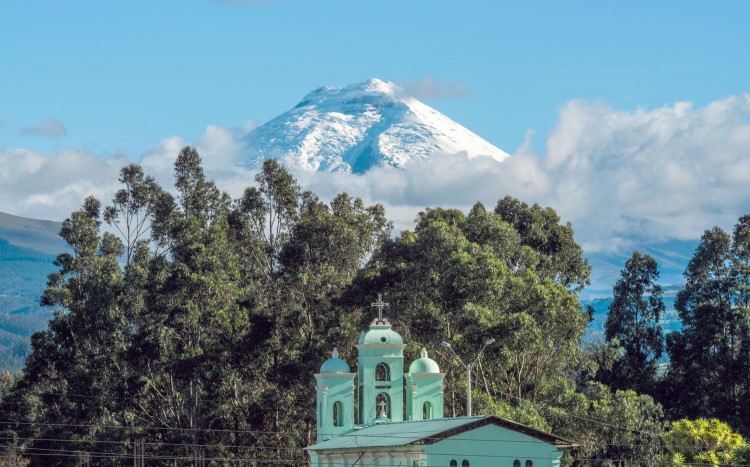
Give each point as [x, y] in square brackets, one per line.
[380, 305]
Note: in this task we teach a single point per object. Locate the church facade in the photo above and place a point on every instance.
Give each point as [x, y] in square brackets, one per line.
[395, 418]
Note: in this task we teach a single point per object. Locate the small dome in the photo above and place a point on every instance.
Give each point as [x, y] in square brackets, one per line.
[424, 365]
[335, 364]
[380, 332]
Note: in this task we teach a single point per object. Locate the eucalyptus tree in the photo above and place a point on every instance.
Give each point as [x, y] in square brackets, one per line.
[709, 374]
[465, 278]
[68, 387]
[208, 329]
[558, 255]
[633, 325]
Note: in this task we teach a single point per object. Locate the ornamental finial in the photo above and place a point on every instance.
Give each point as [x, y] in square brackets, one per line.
[335, 353]
[380, 304]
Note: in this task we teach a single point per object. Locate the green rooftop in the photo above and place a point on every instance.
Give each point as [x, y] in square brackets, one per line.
[428, 432]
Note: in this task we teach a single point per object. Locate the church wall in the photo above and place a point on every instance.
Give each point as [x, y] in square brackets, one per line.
[421, 388]
[332, 388]
[492, 446]
[401, 456]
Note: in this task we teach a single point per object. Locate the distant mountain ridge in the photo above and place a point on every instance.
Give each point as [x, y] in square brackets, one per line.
[27, 249]
[360, 126]
[34, 234]
[672, 257]
[669, 320]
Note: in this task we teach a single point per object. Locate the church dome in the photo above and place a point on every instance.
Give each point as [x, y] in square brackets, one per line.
[424, 365]
[380, 332]
[335, 364]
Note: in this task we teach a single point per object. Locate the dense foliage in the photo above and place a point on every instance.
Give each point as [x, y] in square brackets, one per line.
[188, 326]
[206, 336]
[702, 442]
[709, 371]
[633, 325]
[465, 278]
[708, 374]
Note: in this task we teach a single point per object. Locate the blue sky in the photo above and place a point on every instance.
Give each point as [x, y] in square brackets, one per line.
[120, 76]
[639, 110]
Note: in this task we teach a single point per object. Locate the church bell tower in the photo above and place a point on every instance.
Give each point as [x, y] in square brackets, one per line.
[335, 390]
[424, 389]
[382, 385]
[380, 374]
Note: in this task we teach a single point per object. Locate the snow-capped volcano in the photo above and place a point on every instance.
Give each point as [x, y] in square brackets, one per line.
[355, 127]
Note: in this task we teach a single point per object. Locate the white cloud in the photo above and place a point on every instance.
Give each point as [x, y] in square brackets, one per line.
[623, 178]
[158, 161]
[445, 180]
[49, 127]
[218, 148]
[430, 88]
[50, 186]
[670, 172]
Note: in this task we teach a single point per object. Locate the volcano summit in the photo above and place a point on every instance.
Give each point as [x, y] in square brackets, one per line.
[356, 127]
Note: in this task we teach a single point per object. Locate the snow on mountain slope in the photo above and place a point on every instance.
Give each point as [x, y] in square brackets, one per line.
[359, 126]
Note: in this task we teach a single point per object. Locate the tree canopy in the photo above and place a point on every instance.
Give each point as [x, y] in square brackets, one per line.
[633, 325]
[188, 325]
[709, 371]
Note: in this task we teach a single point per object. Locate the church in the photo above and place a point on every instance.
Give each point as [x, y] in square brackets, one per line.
[396, 418]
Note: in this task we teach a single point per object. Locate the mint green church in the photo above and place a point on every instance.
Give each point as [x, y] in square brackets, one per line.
[396, 417]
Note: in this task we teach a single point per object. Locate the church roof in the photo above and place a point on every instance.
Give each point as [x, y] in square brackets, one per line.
[380, 332]
[429, 432]
[424, 364]
[335, 364]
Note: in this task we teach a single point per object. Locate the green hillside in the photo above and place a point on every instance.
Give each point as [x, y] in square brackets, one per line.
[27, 250]
[31, 234]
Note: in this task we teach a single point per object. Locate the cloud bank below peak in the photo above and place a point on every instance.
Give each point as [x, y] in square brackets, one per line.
[624, 179]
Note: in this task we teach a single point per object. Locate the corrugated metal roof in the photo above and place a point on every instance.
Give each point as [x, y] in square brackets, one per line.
[428, 432]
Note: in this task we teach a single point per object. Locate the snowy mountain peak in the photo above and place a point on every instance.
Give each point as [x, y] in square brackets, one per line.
[373, 88]
[356, 127]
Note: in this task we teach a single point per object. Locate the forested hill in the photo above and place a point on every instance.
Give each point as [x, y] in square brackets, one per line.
[27, 249]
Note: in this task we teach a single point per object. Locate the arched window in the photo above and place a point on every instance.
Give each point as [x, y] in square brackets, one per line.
[454, 463]
[516, 463]
[529, 463]
[427, 411]
[382, 372]
[338, 414]
[383, 403]
[465, 463]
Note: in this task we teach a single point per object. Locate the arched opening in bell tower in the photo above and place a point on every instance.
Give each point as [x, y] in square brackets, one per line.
[338, 414]
[427, 411]
[382, 372]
